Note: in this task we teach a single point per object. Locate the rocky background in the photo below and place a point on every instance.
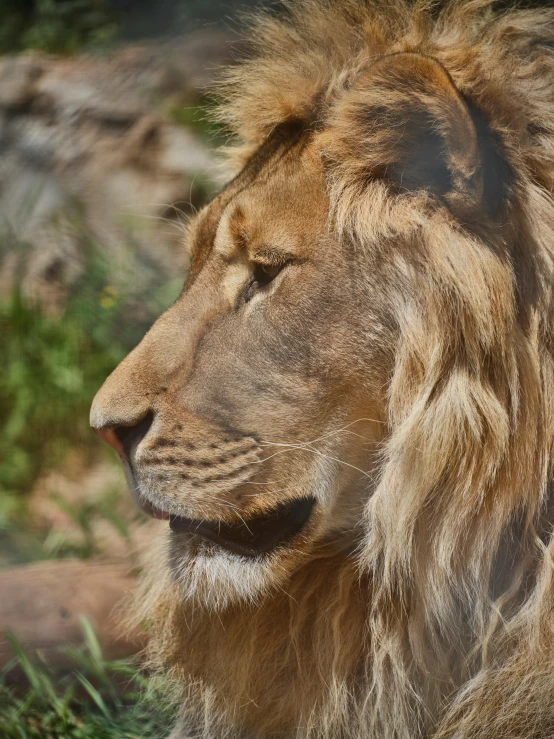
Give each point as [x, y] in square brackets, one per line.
[110, 147]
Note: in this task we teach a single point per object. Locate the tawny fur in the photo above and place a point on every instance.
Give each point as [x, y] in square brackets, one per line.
[439, 621]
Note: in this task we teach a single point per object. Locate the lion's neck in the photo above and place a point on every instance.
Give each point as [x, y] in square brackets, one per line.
[326, 658]
[273, 664]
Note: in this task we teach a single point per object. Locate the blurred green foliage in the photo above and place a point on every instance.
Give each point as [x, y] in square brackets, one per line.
[56, 26]
[66, 26]
[200, 118]
[21, 543]
[50, 369]
[98, 698]
[52, 366]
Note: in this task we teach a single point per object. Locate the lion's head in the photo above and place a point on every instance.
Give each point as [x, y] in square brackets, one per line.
[347, 416]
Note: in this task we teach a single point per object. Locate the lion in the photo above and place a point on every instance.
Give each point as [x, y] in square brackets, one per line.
[347, 416]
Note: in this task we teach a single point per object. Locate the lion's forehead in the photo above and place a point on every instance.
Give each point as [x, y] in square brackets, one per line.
[280, 202]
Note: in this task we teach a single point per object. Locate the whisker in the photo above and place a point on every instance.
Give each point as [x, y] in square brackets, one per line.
[334, 432]
[340, 461]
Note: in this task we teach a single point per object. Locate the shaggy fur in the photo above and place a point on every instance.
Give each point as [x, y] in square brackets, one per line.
[434, 616]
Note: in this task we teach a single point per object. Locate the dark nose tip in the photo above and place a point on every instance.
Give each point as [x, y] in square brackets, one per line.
[125, 438]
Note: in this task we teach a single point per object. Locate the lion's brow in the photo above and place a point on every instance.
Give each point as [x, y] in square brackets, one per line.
[284, 137]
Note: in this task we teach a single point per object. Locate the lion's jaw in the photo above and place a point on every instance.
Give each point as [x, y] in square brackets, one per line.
[256, 426]
[213, 577]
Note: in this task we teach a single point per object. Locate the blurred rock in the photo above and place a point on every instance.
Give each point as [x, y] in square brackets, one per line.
[43, 602]
[88, 152]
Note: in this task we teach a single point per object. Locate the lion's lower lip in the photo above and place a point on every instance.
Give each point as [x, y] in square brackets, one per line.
[159, 514]
[257, 535]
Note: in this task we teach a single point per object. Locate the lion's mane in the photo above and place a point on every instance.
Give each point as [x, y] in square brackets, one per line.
[442, 624]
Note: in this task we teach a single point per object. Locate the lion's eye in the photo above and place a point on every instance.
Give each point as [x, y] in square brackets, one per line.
[265, 273]
[262, 275]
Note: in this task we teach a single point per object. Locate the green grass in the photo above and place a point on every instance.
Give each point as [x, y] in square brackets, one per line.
[98, 699]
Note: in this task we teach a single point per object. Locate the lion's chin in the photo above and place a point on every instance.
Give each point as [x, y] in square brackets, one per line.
[214, 578]
[216, 564]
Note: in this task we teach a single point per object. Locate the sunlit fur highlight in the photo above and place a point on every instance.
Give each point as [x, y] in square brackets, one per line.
[441, 623]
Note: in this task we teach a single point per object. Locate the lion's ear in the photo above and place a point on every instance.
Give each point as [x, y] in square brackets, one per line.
[404, 121]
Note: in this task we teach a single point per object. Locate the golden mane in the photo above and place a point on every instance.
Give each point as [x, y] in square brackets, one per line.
[442, 623]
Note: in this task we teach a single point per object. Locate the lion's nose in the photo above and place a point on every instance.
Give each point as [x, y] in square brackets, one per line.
[126, 438]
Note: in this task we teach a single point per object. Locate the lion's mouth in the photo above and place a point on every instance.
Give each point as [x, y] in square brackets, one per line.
[255, 536]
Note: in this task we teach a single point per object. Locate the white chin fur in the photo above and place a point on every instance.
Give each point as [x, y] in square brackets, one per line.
[215, 578]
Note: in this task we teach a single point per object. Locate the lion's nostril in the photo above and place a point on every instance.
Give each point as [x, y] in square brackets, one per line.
[131, 436]
[125, 438]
